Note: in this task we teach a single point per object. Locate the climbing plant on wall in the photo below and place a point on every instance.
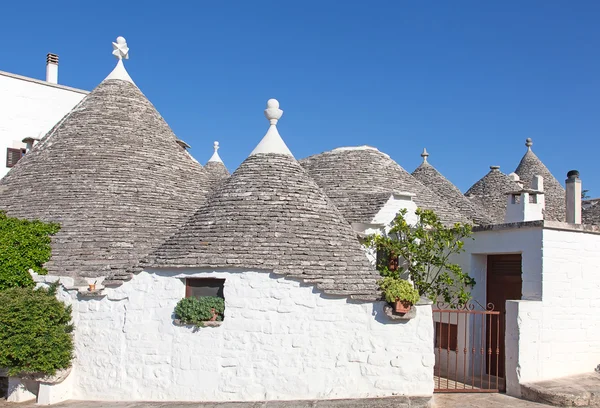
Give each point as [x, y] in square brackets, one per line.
[424, 252]
[24, 245]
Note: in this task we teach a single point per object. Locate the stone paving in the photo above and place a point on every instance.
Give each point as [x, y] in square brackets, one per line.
[576, 391]
[483, 400]
[440, 401]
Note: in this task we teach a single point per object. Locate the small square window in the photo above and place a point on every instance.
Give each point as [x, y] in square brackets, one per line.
[198, 287]
[13, 156]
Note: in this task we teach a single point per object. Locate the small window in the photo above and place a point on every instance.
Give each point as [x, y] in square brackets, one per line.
[13, 156]
[446, 336]
[198, 287]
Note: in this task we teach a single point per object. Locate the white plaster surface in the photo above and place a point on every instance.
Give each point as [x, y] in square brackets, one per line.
[21, 390]
[280, 339]
[119, 72]
[29, 109]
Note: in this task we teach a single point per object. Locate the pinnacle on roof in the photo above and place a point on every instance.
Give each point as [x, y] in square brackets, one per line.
[272, 141]
[490, 192]
[271, 216]
[530, 166]
[424, 155]
[112, 174]
[432, 178]
[121, 52]
[215, 168]
[348, 175]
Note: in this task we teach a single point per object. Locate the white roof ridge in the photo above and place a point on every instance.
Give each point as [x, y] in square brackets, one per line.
[272, 141]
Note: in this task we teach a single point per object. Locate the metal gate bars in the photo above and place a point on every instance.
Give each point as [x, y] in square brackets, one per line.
[469, 349]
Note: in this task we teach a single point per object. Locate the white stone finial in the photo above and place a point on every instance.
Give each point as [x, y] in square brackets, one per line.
[121, 52]
[120, 49]
[272, 142]
[273, 113]
[528, 143]
[215, 157]
[424, 155]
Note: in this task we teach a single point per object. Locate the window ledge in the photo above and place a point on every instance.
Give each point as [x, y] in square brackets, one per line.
[91, 293]
[178, 322]
[389, 312]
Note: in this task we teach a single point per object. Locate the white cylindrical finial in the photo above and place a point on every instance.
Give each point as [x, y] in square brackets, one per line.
[216, 146]
[528, 143]
[273, 113]
[120, 49]
[424, 155]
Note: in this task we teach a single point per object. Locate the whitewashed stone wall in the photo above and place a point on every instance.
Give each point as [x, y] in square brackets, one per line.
[554, 331]
[571, 303]
[280, 339]
[29, 109]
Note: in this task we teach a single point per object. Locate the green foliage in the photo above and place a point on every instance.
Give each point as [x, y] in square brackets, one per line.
[195, 311]
[424, 251]
[35, 331]
[585, 195]
[25, 245]
[398, 289]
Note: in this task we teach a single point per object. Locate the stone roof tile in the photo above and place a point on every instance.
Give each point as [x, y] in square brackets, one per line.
[490, 193]
[345, 172]
[112, 174]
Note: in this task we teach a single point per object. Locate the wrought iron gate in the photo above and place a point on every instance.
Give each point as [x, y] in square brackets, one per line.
[469, 349]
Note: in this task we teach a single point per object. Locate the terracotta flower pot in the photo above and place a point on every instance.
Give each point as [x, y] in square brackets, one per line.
[92, 287]
[214, 315]
[401, 306]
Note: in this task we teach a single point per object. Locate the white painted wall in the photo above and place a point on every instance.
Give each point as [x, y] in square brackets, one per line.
[280, 339]
[29, 108]
[554, 331]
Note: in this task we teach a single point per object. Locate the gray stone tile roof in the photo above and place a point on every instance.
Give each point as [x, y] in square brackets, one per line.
[348, 171]
[554, 192]
[270, 215]
[216, 172]
[111, 173]
[360, 207]
[490, 193]
[429, 176]
[590, 214]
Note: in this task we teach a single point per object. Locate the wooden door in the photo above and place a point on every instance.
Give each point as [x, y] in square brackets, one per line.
[504, 282]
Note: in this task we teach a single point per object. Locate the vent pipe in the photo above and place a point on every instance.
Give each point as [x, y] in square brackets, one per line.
[573, 197]
[52, 68]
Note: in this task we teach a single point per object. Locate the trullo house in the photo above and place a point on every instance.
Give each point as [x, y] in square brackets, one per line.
[303, 315]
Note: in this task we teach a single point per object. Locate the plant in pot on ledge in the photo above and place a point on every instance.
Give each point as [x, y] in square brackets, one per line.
[198, 310]
[400, 293]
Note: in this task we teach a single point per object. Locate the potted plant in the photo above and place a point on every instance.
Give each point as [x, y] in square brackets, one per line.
[197, 310]
[399, 292]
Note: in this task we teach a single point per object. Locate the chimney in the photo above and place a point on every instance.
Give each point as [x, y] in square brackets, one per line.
[573, 197]
[526, 204]
[52, 68]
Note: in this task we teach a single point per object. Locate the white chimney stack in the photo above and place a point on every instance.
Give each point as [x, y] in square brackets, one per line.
[52, 68]
[573, 197]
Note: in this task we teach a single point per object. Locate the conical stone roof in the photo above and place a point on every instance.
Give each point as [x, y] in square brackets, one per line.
[490, 193]
[215, 168]
[271, 216]
[430, 177]
[554, 192]
[351, 172]
[111, 173]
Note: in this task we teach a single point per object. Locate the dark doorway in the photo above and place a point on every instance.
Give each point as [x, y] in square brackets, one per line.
[504, 282]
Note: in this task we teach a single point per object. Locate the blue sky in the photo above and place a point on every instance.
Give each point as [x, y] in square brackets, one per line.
[469, 80]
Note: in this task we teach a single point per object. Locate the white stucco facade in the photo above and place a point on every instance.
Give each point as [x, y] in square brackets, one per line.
[30, 108]
[554, 330]
[280, 339]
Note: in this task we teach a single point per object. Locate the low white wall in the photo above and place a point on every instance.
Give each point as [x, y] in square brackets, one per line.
[571, 303]
[279, 340]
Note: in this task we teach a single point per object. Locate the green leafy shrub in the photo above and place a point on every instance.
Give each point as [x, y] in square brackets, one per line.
[25, 245]
[35, 331]
[398, 289]
[194, 310]
[424, 252]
